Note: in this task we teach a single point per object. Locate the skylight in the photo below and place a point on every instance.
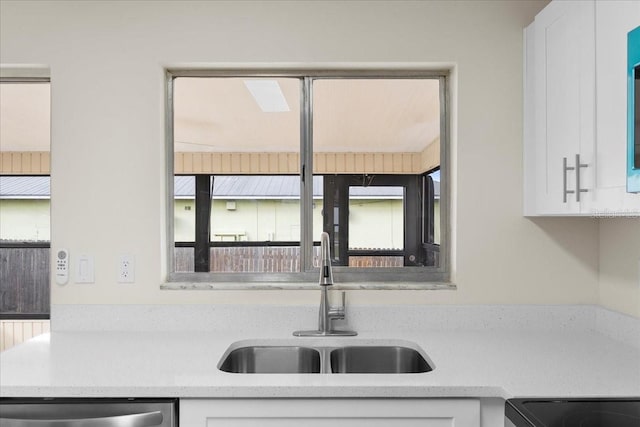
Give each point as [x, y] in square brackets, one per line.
[268, 95]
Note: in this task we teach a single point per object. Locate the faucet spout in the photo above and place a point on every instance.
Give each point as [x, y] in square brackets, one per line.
[326, 273]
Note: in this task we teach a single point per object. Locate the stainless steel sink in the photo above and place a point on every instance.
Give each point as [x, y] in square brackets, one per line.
[272, 360]
[325, 356]
[377, 360]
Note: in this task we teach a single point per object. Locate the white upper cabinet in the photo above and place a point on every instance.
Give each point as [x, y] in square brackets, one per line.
[575, 109]
[614, 19]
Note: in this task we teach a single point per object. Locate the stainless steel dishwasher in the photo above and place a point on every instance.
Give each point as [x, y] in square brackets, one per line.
[71, 412]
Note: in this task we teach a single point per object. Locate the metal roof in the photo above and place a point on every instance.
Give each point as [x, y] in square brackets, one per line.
[225, 187]
[248, 186]
[276, 187]
[25, 187]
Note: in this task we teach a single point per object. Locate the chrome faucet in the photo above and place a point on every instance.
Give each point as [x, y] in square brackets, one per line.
[327, 313]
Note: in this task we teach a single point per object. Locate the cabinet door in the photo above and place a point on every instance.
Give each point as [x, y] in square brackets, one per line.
[330, 412]
[613, 20]
[564, 104]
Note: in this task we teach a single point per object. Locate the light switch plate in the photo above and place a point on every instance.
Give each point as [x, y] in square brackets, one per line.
[84, 269]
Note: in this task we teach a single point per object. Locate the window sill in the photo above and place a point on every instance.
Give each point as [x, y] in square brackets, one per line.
[225, 286]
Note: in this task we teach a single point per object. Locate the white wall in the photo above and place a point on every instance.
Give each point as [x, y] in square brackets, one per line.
[620, 265]
[107, 62]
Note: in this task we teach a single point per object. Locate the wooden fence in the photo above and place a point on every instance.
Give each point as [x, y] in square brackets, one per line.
[376, 261]
[268, 259]
[24, 280]
[244, 259]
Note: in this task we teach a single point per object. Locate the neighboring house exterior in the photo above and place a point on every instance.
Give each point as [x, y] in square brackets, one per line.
[244, 208]
[25, 208]
[266, 208]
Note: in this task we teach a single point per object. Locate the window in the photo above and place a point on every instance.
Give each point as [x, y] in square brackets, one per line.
[237, 224]
[24, 200]
[400, 206]
[262, 164]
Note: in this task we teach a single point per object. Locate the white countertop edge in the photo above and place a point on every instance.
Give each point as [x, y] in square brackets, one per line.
[262, 391]
[288, 392]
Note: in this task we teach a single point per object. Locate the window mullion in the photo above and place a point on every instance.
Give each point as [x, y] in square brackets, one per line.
[428, 206]
[306, 175]
[203, 222]
[413, 253]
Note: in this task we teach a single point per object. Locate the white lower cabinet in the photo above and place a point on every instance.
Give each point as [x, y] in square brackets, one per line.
[359, 412]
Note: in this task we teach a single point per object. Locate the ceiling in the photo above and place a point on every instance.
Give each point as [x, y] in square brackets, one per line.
[349, 115]
[25, 117]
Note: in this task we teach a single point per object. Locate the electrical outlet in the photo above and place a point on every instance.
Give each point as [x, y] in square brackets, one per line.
[126, 269]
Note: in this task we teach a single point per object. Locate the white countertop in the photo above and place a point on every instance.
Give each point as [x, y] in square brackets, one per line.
[492, 363]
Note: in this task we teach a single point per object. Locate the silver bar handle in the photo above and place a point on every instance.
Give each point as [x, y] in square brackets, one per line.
[147, 419]
[565, 169]
[577, 168]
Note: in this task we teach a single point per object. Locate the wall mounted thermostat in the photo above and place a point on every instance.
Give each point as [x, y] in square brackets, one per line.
[62, 267]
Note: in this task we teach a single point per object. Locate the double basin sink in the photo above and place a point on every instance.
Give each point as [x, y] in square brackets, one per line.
[352, 357]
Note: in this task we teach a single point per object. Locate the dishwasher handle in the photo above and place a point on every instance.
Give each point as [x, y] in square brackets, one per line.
[147, 419]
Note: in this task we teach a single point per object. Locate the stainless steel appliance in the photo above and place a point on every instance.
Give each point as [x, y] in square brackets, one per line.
[69, 412]
[576, 412]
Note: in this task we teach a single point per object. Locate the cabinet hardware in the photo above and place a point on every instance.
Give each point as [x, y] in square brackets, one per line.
[577, 168]
[565, 169]
[146, 419]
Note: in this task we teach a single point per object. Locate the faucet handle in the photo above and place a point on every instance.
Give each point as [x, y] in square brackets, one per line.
[338, 312]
